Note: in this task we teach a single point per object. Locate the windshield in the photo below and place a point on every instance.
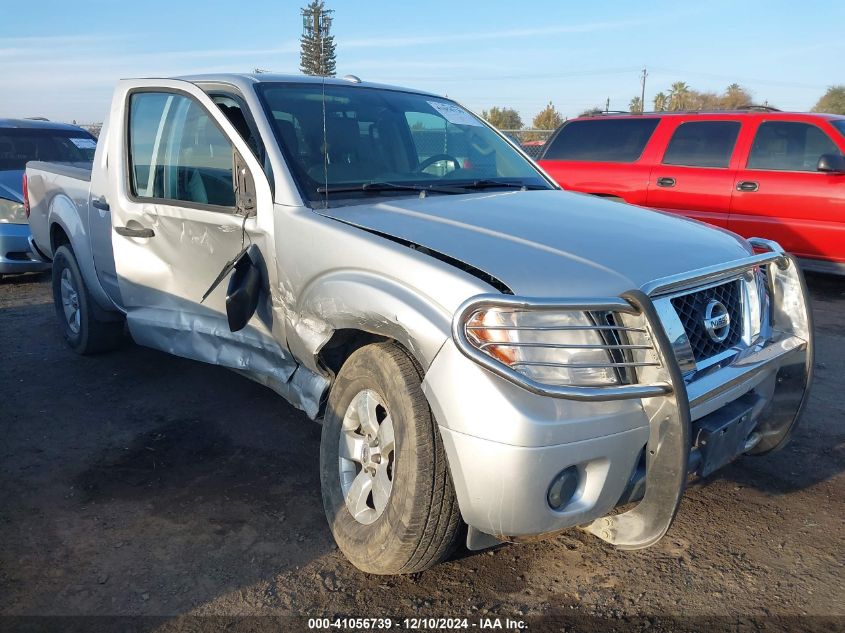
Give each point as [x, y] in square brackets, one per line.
[388, 141]
[20, 145]
[839, 125]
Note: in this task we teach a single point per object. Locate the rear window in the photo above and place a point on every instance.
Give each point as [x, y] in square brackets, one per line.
[602, 140]
[702, 144]
[19, 145]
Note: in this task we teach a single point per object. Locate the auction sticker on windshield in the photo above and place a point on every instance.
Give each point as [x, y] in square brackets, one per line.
[454, 114]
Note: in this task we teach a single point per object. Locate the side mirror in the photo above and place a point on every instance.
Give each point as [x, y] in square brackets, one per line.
[831, 163]
[244, 288]
[244, 186]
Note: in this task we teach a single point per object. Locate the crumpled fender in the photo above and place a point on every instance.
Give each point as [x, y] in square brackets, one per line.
[362, 300]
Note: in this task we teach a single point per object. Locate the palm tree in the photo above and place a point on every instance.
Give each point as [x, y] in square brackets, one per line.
[678, 95]
[636, 105]
[735, 96]
[659, 102]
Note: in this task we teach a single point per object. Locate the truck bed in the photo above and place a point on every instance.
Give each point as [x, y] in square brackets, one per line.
[55, 188]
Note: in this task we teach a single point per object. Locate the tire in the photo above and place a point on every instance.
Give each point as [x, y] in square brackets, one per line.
[416, 528]
[83, 329]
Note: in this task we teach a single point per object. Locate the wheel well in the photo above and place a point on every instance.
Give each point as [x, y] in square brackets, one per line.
[58, 237]
[341, 346]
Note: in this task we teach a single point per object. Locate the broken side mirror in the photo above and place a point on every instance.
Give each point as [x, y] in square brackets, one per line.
[831, 163]
[244, 288]
[244, 186]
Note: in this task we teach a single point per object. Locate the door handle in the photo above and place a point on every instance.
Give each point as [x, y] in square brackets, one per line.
[125, 231]
[100, 203]
[747, 185]
[665, 182]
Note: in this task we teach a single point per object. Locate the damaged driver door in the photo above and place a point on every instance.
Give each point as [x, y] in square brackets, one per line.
[184, 209]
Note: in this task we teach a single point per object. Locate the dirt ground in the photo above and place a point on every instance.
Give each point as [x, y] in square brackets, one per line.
[135, 483]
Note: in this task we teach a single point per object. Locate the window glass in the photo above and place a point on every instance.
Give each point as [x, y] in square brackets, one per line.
[702, 144]
[177, 152]
[19, 145]
[339, 137]
[602, 140]
[789, 146]
[839, 125]
[434, 139]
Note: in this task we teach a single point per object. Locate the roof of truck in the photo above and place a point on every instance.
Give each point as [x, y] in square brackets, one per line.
[244, 80]
[38, 124]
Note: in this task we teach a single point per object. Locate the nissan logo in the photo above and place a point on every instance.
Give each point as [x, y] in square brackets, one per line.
[717, 321]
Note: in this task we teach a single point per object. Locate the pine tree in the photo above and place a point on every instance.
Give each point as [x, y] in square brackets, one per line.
[317, 54]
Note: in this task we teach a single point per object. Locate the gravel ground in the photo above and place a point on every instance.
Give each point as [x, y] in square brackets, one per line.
[136, 483]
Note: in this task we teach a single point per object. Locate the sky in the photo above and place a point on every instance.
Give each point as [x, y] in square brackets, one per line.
[60, 59]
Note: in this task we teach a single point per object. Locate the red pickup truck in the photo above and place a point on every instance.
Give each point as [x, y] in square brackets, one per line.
[762, 173]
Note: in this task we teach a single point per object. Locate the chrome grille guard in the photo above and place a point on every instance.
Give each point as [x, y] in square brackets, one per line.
[661, 386]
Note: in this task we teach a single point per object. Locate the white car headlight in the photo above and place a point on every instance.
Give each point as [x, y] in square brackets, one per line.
[550, 347]
[12, 212]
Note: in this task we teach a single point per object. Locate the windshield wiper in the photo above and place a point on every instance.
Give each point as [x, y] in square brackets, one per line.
[489, 183]
[378, 187]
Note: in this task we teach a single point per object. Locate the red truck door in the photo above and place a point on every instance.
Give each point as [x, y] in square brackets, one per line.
[603, 156]
[695, 175]
[779, 194]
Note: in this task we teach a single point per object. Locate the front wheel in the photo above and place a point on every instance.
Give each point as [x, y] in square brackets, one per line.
[83, 330]
[387, 492]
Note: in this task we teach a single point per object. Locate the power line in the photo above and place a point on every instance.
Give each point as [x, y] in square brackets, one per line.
[784, 84]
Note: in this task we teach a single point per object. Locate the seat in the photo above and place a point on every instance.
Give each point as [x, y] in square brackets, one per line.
[288, 134]
[343, 147]
[237, 119]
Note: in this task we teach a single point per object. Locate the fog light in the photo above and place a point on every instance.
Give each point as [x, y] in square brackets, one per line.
[562, 488]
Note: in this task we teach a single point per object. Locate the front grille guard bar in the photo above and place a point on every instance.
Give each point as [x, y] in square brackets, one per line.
[570, 392]
[663, 392]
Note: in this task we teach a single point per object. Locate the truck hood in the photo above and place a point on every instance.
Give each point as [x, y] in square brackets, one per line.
[550, 243]
[11, 184]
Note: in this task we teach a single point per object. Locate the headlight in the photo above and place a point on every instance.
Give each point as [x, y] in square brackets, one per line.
[11, 212]
[551, 347]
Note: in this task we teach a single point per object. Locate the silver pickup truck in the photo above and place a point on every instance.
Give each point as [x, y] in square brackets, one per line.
[482, 348]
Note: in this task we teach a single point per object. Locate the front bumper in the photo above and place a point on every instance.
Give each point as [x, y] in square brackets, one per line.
[16, 255]
[505, 443]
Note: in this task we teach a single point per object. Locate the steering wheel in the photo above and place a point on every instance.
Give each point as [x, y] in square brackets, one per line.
[428, 162]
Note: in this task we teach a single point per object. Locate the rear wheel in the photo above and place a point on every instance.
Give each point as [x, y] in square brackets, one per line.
[387, 492]
[83, 330]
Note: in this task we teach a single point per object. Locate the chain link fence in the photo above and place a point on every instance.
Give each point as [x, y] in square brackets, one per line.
[432, 142]
[532, 142]
[94, 128]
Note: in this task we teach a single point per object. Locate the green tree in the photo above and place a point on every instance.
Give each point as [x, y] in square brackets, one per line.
[833, 101]
[317, 48]
[547, 119]
[703, 101]
[503, 118]
[592, 111]
[636, 105]
[679, 93]
[735, 96]
[660, 102]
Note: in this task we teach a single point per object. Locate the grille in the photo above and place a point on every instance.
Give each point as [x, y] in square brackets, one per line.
[691, 310]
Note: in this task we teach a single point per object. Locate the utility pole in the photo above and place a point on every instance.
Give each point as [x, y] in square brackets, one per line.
[642, 96]
[607, 106]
